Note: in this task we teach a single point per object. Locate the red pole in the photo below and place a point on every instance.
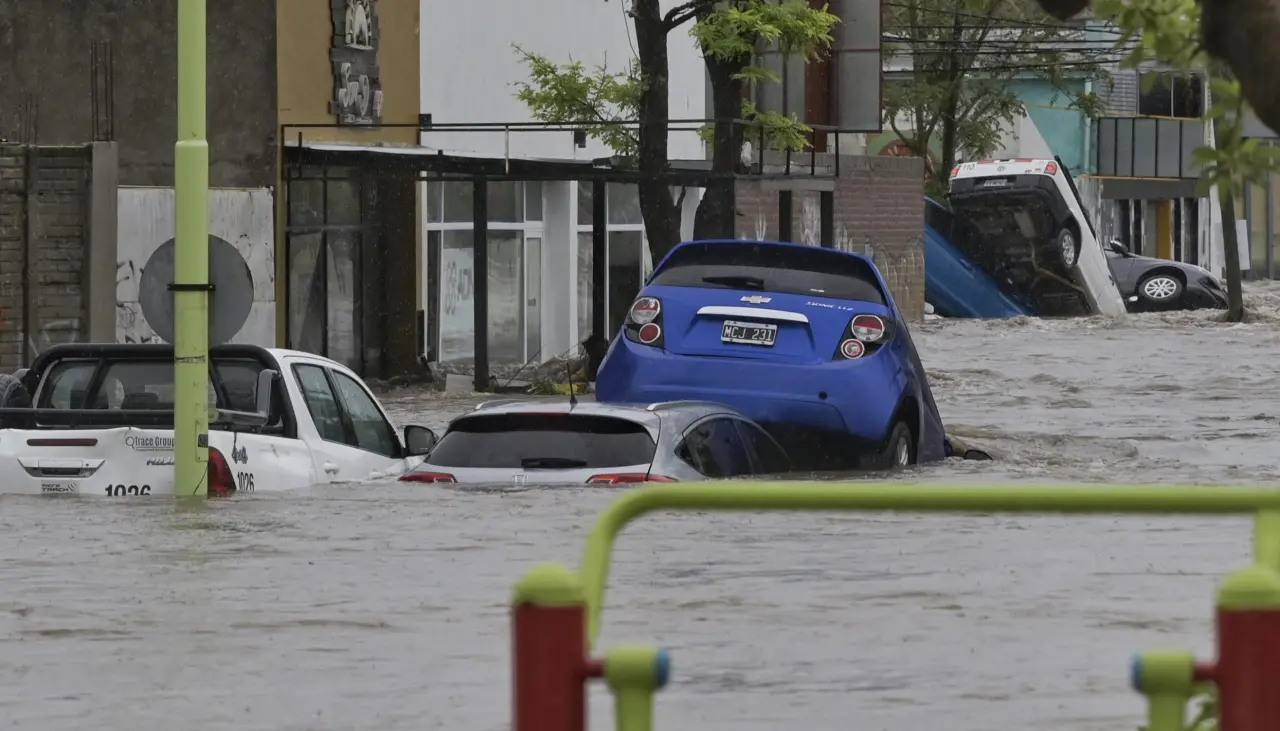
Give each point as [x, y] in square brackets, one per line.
[1249, 651]
[549, 651]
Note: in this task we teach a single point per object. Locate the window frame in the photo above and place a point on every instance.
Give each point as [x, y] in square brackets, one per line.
[287, 429]
[344, 415]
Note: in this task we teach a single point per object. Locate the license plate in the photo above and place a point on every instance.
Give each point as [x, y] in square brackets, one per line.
[748, 333]
[997, 183]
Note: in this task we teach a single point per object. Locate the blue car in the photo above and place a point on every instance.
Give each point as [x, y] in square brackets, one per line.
[805, 341]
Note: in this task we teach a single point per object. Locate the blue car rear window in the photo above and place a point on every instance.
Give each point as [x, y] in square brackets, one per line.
[575, 440]
[771, 268]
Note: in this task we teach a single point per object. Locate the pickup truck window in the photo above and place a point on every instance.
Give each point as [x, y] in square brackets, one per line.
[372, 432]
[124, 385]
[321, 402]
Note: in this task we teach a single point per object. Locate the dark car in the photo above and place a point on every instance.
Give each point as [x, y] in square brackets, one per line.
[1147, 283]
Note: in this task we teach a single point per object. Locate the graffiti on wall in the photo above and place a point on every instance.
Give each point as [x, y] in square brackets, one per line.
[241, 217]
[357, 95]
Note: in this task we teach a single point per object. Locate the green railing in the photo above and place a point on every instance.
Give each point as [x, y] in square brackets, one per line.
[557, 613]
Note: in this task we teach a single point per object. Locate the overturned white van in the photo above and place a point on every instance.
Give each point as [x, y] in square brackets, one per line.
[1022, 221]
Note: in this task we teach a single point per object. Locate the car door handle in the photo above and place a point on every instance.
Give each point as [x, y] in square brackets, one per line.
[331, 468]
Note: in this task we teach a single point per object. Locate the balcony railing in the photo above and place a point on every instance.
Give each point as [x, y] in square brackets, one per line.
[1148, 147]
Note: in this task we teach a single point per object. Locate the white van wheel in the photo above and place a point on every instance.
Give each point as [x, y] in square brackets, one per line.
[1068, 247]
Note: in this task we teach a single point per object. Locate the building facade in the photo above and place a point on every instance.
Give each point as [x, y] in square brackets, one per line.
[539, 233]
[104, 74]
[1133, 164]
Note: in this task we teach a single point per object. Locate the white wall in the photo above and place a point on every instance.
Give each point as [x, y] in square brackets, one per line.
[469, 69]
[241, 217]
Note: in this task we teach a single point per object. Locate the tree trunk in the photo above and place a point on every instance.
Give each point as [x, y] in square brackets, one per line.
[661, 217]
[950, 125]
[1230, 244]
[717, 213]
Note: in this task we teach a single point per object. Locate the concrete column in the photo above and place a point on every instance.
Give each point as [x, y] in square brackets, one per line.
[100, 245]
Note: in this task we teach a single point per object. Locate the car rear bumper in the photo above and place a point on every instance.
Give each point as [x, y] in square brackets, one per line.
[856, 397]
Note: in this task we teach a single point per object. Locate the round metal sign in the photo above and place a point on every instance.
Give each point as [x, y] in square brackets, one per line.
[229, 302]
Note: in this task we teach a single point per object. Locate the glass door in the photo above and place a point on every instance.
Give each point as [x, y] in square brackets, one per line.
[533, 298]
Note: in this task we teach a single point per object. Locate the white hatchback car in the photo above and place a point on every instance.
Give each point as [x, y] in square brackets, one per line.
[1023, 223]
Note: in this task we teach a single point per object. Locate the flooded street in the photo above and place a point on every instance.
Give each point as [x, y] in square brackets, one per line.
[383, 606]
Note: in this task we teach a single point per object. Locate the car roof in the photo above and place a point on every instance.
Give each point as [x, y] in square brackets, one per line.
[841, 252]
[649, 415]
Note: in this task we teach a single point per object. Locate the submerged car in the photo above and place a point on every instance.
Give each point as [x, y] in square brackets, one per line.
[1148, 283]
[524, 443]
[1022, 222]
[806, 341]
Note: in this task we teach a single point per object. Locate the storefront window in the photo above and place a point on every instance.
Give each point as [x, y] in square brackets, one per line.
[342, 303]
[306, 202]
[457, 202]
[306, 293]
[514, 314]
[584, 285]
[343, 202]
[504, 202]
[624, 204]
[625, 268]
[533, 201]
[585, 197]
[457, 297]
[533, 298]
[433, 201]
[506, 297]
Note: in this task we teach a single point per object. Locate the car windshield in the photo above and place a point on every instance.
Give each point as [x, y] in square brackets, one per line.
[543, 441]
[771, 268]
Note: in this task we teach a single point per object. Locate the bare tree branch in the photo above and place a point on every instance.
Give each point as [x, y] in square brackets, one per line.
[682, 14]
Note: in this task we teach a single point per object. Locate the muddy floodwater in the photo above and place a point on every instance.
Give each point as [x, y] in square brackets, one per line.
[383, 606]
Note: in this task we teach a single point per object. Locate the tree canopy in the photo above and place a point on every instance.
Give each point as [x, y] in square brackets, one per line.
[730, 33]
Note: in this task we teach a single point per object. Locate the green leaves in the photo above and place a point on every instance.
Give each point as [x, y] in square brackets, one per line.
[732, 31]
[779, 131]
[599, 99]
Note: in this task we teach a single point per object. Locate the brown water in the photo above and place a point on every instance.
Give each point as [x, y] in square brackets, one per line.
[383, 606]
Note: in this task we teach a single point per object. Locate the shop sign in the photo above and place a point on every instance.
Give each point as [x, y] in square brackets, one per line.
[357, 98]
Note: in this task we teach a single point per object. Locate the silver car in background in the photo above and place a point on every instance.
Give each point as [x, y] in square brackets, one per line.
[526, 442]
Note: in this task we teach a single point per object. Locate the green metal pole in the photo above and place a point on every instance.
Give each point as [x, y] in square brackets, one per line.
[191, 260]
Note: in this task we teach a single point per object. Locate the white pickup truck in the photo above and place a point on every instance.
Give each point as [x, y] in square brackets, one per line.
[94, 419]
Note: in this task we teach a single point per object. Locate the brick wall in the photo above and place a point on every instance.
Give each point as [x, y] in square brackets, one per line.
[879, 211]
[44, 222]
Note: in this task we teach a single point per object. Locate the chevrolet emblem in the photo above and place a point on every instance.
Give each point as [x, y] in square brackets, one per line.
[756, 299]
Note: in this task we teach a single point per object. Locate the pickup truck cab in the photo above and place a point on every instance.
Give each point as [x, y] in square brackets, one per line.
[96, 419]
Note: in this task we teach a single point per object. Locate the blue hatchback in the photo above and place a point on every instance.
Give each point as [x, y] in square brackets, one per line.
[805, 341]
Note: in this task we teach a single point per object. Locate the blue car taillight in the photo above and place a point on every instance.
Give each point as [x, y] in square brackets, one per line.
[644, 322]
[866, 335]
